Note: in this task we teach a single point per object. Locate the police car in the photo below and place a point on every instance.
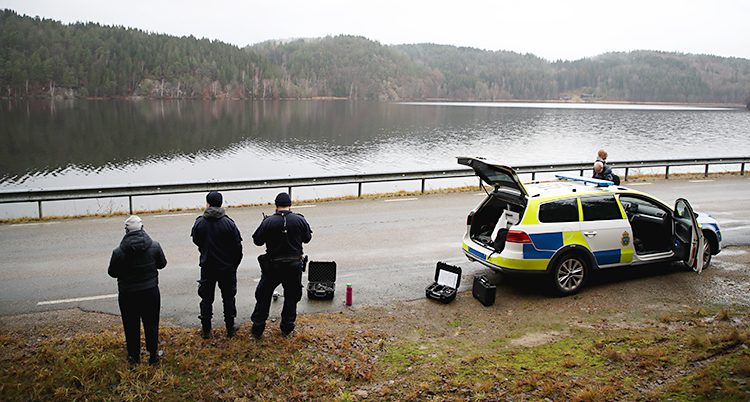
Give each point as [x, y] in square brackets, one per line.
[569, 227]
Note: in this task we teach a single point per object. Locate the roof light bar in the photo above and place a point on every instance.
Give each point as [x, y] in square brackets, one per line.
[597, 182]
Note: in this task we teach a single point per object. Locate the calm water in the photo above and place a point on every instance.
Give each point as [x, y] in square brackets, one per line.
[102, 143]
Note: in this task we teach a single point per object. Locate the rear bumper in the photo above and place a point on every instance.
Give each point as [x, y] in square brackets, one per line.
[504, 261]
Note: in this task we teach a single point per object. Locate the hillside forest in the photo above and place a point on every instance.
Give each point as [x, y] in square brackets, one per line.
[45, 58]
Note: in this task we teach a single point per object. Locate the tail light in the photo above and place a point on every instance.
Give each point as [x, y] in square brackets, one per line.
[469, 219]
[518, 236]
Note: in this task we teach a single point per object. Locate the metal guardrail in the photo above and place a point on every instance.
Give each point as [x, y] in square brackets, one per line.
[40, 196]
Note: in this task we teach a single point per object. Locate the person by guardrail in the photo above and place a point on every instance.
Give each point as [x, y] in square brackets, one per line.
[283, 234]
[220, 244]
[135, 264]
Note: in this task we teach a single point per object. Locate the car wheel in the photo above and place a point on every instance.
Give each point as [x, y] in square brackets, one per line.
[706, 253]
[569, 274]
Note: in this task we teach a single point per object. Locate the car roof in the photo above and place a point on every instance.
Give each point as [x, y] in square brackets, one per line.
[563, 188]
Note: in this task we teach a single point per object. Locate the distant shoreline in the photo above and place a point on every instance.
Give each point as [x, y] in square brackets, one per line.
[428, 100]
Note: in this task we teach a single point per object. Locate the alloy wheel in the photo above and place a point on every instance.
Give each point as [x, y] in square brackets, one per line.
[570, 274]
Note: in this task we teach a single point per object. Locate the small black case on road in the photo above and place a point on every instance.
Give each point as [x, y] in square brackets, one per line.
[321, 280]
[483, 290]
[447, 279]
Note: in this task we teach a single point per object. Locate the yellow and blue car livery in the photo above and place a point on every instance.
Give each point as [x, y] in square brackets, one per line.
[579, 217]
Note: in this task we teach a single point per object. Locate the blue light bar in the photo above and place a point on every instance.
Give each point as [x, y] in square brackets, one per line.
[597, 182]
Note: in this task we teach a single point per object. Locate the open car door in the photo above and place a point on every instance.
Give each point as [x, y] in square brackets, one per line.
[688, 236]
[502, 178]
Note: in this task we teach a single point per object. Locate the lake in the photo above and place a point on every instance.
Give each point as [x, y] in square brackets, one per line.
[106, 143]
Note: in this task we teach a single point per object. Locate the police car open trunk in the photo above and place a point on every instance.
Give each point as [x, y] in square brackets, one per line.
[503, 207]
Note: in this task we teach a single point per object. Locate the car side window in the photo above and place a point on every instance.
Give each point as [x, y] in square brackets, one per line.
[564, 210]
[600, 208]
[637, 205]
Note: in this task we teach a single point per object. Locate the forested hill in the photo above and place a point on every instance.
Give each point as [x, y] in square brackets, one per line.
[40, 57]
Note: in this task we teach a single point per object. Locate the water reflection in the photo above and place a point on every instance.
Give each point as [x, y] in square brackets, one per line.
[88, 143]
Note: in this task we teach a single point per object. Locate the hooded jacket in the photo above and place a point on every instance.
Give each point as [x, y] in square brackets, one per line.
[218, 240]
[136, 261]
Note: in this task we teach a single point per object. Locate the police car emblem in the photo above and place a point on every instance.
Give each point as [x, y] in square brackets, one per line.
[625, 238]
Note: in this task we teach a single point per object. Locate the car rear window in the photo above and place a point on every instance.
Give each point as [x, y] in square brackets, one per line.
[564, 210]
[600, 208]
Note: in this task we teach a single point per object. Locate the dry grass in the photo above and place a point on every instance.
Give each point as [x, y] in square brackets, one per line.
[347, 357]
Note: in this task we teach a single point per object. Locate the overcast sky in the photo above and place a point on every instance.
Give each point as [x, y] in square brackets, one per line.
[553, 29]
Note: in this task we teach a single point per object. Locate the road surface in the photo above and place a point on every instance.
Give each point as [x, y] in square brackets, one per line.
[387, 249]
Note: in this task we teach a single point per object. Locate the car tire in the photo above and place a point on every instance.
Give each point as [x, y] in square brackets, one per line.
[568, 274]
[707, 252]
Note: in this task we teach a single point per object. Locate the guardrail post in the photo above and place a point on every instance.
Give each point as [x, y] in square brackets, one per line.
[742, 169]
[533, 176]
[666, 173]
[626, 174]
[481, 187]
[705, 174]
[130, 204]
[359, 190]
[423, 180]
[39, 205]
[581, 172]
[290, 192]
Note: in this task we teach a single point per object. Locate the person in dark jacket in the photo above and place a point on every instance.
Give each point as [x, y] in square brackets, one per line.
[135, 263]
[604, 172]
[283, 234]
[220, 244]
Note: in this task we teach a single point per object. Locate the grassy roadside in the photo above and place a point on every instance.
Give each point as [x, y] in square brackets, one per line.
[376, 354]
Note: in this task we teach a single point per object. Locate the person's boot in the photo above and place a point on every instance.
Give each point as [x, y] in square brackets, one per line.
[153, 359]
[257, 330]
[205, 329]
[231, 329]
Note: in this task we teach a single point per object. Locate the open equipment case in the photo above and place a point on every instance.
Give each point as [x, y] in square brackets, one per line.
[321, 280]
[447, 280]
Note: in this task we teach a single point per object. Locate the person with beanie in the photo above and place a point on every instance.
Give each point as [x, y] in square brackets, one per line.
[283, 234]
[220, 245]
[135, 264]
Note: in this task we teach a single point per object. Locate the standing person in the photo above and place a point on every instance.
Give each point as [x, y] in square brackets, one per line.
[135, 263]
[283, 234]
[606, 172]
[602, 172]
[220, 244]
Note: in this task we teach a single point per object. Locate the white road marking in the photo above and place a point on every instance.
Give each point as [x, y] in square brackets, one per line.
[480, 194]
[735, 228]
[78, 299]
[401, 199]
[701, 181]
[638, 184]
[304, 206]
[171, 215]
[34, 224]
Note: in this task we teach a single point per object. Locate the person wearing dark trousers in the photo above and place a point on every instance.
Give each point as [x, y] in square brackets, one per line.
[283, 234]
[220, 245]
[135, 264]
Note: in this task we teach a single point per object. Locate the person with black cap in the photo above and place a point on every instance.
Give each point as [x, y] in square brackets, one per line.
[283, 234]
[220, 244]
[135, 264]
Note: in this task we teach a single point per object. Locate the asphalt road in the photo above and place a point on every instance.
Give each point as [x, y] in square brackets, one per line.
[387, 249]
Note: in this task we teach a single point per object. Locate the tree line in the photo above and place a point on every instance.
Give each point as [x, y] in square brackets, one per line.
[42, 57]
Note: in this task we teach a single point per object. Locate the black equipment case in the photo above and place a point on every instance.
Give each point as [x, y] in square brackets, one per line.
[447, 280]
[321, 280]
[483, 290]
